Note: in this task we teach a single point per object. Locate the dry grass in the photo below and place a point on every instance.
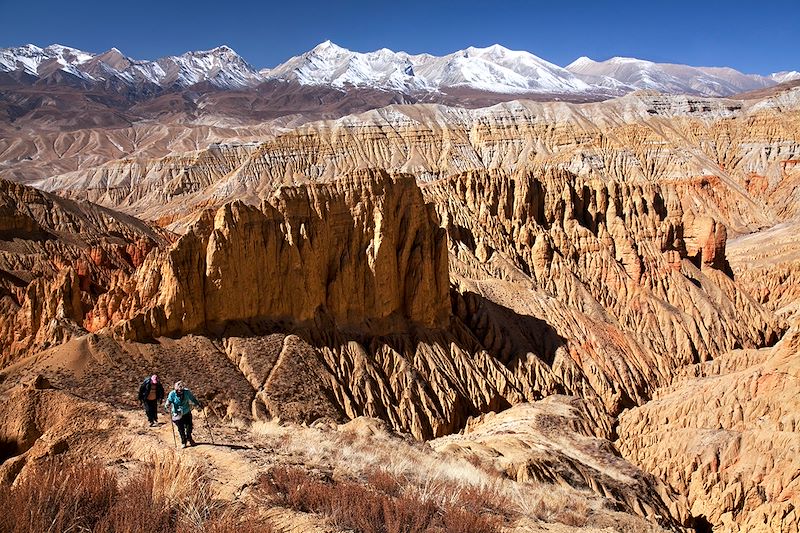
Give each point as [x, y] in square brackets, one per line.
[401, 468]
[366, 509]
[165, 496]
[53, 498]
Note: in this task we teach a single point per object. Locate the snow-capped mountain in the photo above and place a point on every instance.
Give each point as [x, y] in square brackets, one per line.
[329, 64]
[494, 69]
[221, 66]
[626, 74]
[786, 75]
[33, 60]
[498, 69]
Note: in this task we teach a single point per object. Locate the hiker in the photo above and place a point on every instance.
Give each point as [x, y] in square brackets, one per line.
[151, 392]
[179, 405]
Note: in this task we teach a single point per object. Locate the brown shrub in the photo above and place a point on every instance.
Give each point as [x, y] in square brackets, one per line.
[52, 497]
[383, 481]
[406, 514]
[477, 499]
[361, 509]
[137, 510]
[56, 498]
[466, 521]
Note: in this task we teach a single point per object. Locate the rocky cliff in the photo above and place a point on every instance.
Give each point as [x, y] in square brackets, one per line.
[533, 250]
[556, 284]
[726, 154]
[613, 286]
[363, 252]
[726, 435]
[56, 258]
[560, 284]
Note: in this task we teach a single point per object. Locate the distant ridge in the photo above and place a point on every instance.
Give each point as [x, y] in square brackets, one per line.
[494, 69]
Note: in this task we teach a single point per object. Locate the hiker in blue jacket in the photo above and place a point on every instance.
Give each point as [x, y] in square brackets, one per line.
[178, 404]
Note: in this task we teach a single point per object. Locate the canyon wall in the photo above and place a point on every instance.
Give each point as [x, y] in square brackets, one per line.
[56, 258]
[364, 251]
[728, 155]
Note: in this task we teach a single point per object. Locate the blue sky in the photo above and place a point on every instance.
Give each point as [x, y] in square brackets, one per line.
[761, 37]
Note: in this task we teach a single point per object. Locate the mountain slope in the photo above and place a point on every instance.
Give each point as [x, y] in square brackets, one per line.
[630, 74]
[494, 69]
[221, 67]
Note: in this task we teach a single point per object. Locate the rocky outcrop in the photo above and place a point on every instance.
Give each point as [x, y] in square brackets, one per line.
[40, 422]
[551, 441]
[555, 284]
[726, 434]
[613, 287]
[558, 285]
[767, 264]
[426, 383]
[56, 258]
[552, 249]
[710, 149]
[364, 252]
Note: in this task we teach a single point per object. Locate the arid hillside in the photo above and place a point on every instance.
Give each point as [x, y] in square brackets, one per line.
[422, 301]
[734, 158]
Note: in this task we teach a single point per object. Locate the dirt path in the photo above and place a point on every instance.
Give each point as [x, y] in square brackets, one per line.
[233, 463]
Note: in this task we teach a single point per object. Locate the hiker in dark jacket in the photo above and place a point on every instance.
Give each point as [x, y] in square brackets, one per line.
[179, 404]
[151, 392]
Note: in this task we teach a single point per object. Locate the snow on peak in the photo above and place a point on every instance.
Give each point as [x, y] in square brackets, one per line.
[493, 50]
[330, 64]
[220, 66]
[581, 62]
[223, 51]
[494, 68]
[784, 76]
[327, 49]
[327, 44]
[625, 74]
[71, 55]
[29, 58]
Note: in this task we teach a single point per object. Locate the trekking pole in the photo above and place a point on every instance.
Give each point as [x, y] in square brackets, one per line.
[205, 415]
[172, 425]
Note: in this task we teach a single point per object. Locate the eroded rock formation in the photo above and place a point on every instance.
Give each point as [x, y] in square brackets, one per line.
[551, 249]
[726, 435]
[551, 441]
[364, 252]
[726, 154]
[767, 264]
[614, 286]
[56, 258]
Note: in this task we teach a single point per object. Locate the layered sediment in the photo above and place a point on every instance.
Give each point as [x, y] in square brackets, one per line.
[427, 266]
[364, 252]
[725, 434]
[56, 258]
[727, 154]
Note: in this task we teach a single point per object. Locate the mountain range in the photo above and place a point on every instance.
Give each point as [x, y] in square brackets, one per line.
[494, 69]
